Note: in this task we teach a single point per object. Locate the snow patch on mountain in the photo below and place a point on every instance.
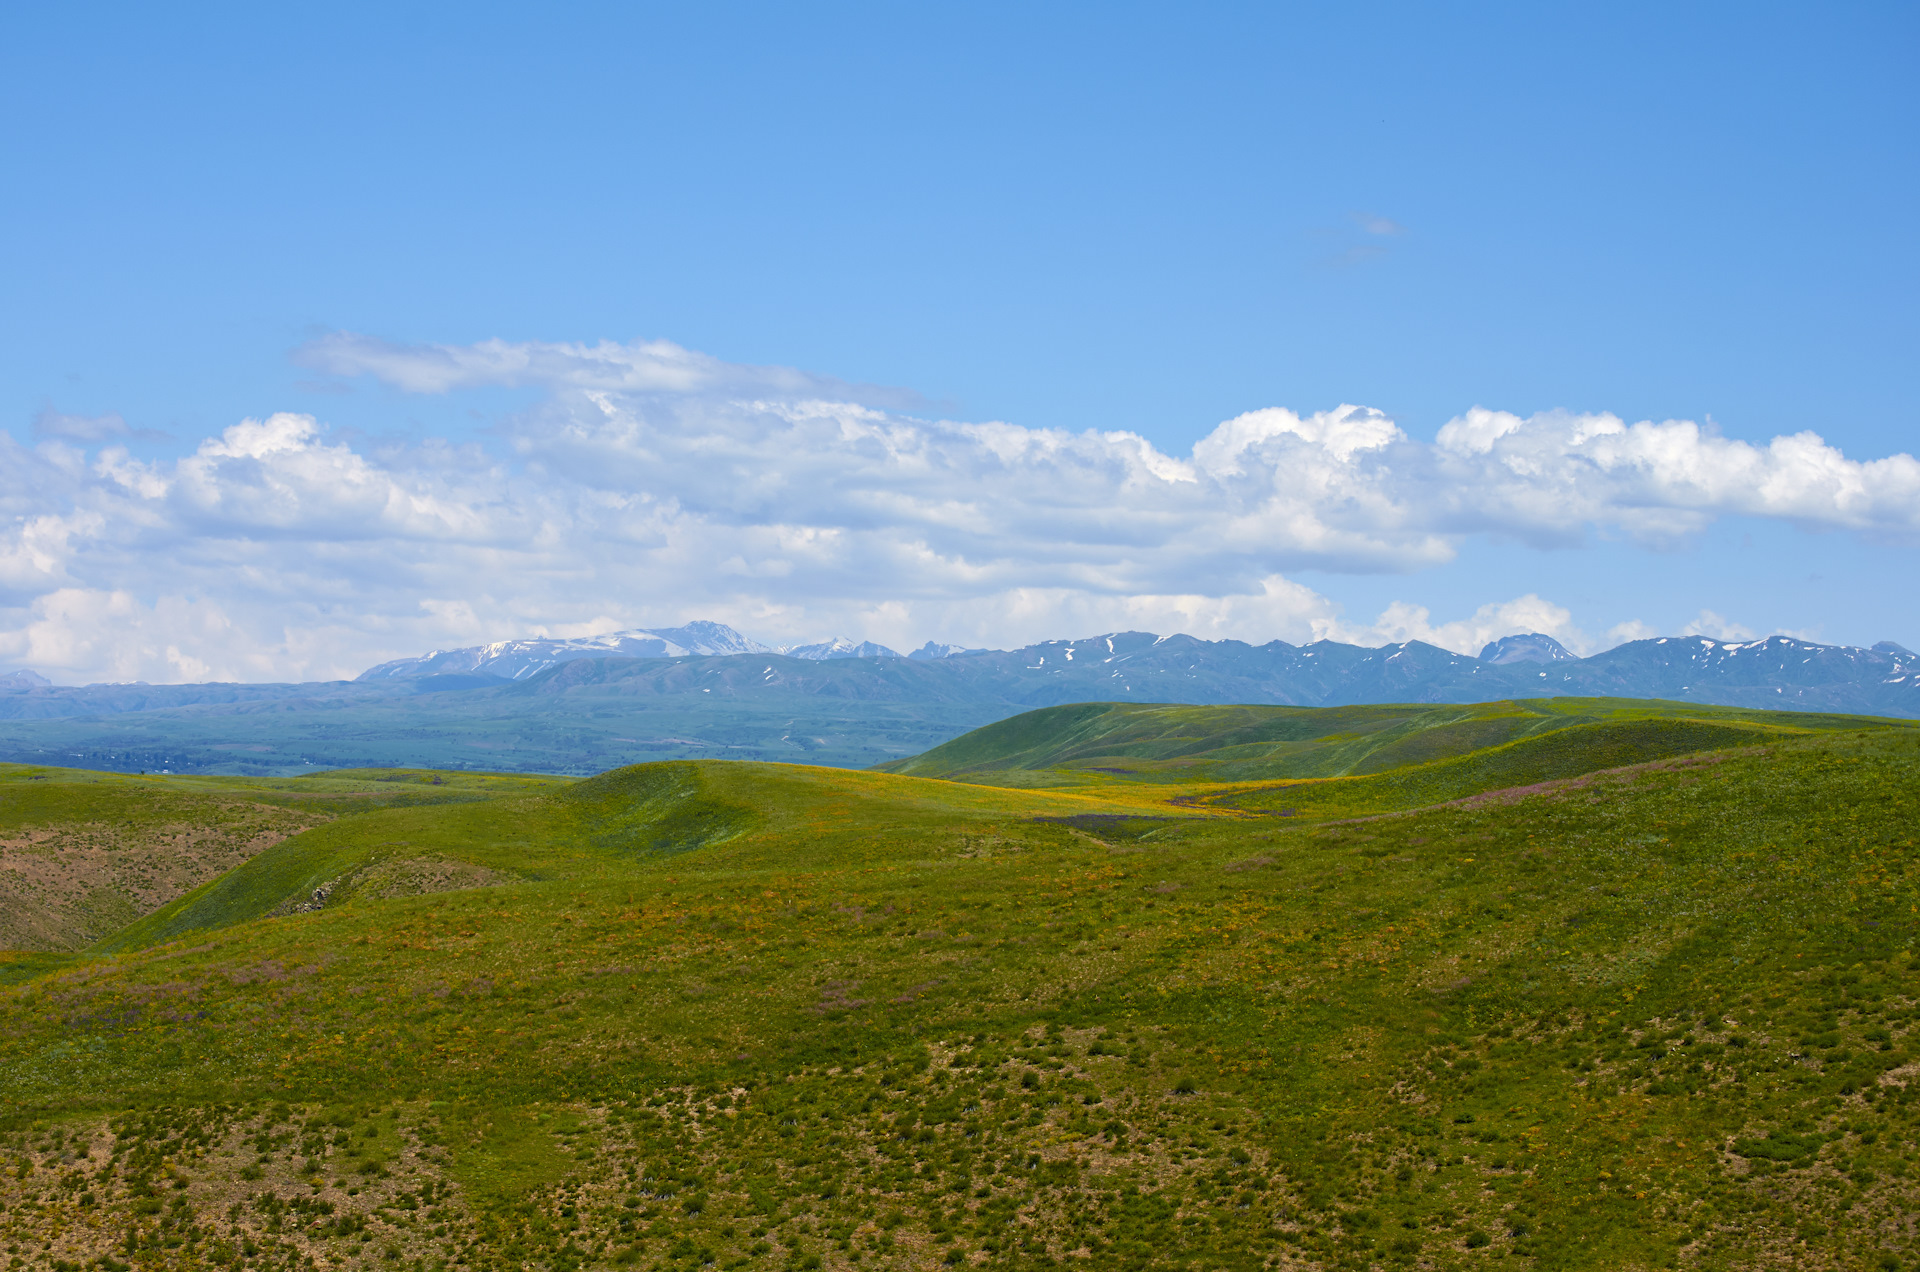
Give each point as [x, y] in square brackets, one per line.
[934, 649]
[838, 647]
[1530, 647]
[519, 659]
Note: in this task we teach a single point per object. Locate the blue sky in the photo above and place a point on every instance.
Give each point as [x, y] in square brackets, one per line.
[1119, 219]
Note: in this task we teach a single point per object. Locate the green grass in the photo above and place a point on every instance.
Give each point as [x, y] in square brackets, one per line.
[84, 853]
[758, 1015]
[1104, 742]
[1565, 753]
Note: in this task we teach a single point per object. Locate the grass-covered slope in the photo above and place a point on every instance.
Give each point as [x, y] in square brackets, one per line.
[607, 824]
[768, 1017]
[1091, 742]
[82, 854]
[1557, 755]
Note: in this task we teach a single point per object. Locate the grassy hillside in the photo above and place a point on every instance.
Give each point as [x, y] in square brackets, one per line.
[1093, 743]
[764, 1016]
[604, 827]
[83, 854]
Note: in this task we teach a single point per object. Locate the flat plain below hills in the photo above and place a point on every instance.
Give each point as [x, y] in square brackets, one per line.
[1576, 985]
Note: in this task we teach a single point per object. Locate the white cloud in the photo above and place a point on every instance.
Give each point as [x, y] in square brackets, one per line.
[655, 485]
[645, 366]
[1402, 622]
[89, 429]
[1554, 474]
[1632, 629]
[116, 637]
[1717, 627]
[1279, 609]
[79, 428]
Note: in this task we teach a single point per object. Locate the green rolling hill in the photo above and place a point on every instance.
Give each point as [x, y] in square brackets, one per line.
[1549, 984]
[1165, 742]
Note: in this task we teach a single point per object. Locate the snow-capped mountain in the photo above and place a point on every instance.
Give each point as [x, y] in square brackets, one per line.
[838, 647]
[1532, 647]
[934, 649]
[518, 659]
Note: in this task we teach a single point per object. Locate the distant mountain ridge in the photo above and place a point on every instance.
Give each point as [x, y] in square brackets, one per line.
[838, 647]
[519, 659]
[596, 707]
[1778, 671]
[1531, 647]
[1825, 677]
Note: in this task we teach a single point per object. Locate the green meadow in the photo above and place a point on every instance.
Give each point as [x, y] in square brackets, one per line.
[1569, 983]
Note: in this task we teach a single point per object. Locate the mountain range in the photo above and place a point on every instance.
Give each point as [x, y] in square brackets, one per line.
[704, 690]
[1778, 671]
[519, 659]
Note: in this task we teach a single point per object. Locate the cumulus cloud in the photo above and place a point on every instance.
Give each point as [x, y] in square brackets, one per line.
[1553, 475]
[1717, 627]
[653, 484]
[1402, 622]
[1632, 629]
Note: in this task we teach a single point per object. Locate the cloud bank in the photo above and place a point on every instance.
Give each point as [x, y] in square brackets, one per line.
[654, 484]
